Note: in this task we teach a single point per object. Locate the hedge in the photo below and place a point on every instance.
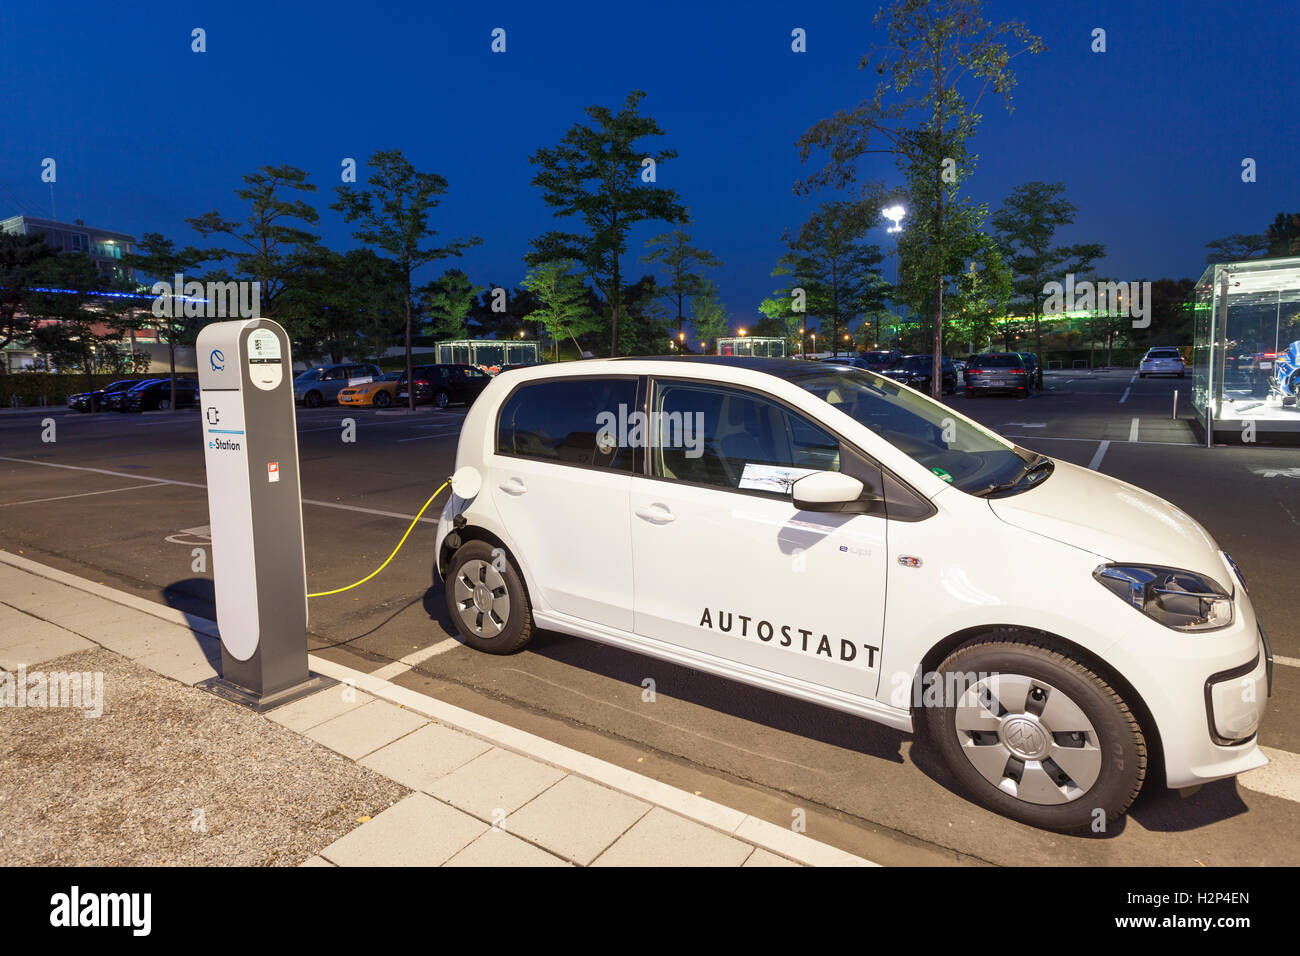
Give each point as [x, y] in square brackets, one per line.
[31, 387]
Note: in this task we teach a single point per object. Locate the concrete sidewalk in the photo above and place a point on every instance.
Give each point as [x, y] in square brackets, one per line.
[359, 774]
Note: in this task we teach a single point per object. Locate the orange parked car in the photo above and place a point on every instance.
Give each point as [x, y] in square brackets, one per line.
[378, 393]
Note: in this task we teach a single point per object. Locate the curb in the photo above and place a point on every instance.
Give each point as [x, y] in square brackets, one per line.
[742, 826]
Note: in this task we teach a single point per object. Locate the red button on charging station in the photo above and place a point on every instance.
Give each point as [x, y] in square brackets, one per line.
[272, 471]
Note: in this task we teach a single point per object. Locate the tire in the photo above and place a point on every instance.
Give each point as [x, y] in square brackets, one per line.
[489, 607]
[441, 399]
[312, 400]
[383, 400]
[164, 404]
[1107, 754]
[1142, 374]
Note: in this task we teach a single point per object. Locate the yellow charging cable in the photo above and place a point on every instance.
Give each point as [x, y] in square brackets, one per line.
[395, 550]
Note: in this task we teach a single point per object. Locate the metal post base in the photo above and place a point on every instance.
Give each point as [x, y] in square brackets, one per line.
[261, 703]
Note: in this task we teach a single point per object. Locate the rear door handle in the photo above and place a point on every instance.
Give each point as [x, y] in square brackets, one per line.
[656, 514]
[513, 486]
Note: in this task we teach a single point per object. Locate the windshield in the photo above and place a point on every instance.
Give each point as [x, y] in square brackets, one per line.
[310, 375]
[958, 451]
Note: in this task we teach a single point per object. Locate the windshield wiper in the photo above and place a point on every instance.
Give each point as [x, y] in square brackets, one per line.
[1041, 462]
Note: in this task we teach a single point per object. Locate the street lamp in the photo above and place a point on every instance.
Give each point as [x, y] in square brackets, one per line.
[895, 215]
[742, 331]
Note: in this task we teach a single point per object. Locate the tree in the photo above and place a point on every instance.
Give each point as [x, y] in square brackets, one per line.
[274, 249]
[981, 298]
[781, 310]
[21, 261]
[1236, 247]
[157, 257]
[394, 218]
[597, 174]
[1025, 226]
[940, 58]
[708, 315]
[830, 259]
[447, 301]
[564, 309]
[673, 251]
[74, 323]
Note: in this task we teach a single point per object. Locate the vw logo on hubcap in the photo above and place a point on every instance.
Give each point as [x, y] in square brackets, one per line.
[1024, 737]
[482, 598]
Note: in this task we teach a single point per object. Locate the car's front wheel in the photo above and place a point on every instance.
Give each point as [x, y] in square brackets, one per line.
[487, 600]
[312, 400]
[442, 399]
[1036, 735]
[382, 400]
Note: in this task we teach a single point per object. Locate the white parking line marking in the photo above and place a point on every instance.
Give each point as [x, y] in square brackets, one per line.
[191, 484]
[1286, 661]
[1180, 444]
[85, 494]
[1133, 431]
[1281, 778]
[1124, 397]
[1101, 453]
[389, 671]
[425, 437]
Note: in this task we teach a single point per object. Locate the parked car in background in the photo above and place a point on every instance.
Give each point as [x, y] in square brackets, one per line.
[378, 393]
[877, 359]
[916, 371]
[318, 385]
[509, 368]
[157, 395]
[998, 372]
[1162, 360]
[115, 401]
[94, 401]
[444, 385]
[1031, 365]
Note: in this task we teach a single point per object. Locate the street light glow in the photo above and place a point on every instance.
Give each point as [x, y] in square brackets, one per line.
[895, 215]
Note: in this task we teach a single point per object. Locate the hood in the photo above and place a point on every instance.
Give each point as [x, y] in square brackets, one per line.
[1113, 520]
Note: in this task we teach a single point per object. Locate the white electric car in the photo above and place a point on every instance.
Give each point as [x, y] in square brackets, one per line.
[826, 533]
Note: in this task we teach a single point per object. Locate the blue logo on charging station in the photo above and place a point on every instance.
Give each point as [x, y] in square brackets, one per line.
[218, 360]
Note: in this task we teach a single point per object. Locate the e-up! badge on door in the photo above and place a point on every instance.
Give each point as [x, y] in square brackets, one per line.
[265, 365]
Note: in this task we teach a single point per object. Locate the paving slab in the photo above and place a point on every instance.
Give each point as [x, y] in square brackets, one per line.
[661, 838]
[189, 663]
[319, 707]
[761, 857]
[417, 831]
[365, 729]
[50, 644]
[499, 848]
[17, 628]
[420, 759]
[498, 781]
[577, 818]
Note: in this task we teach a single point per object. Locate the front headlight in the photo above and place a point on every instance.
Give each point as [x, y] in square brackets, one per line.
[1182, 600]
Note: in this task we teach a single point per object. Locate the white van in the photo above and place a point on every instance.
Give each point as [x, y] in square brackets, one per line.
[825, 533]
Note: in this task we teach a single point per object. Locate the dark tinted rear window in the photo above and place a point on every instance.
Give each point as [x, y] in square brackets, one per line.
[557, 420]
[997, 361]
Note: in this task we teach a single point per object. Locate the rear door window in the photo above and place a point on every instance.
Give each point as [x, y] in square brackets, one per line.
[558, 420]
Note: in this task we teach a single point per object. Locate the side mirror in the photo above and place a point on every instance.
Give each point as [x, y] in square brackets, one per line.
[831, 491]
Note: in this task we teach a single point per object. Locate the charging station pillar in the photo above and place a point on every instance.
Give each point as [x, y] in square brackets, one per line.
[250, 448]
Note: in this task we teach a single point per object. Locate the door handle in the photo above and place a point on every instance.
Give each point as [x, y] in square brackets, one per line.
[513, 486]
[656, 514]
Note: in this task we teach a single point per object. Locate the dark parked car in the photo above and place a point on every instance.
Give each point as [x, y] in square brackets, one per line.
[94, 401]
[444, 385]
[157, 395]
[1031, 364]
[115, 401]
[916, 371]
[999, 372]
[878, 359]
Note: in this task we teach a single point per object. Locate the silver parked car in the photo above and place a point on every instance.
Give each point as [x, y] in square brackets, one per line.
[322, 384]
[1162, 361]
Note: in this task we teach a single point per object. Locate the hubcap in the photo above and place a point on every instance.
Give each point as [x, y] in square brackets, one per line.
[1028, 739]
[482, 599]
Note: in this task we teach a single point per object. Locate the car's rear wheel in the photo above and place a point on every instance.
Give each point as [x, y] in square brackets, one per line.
[313, 400]
[1036, 735]
[487, 600]
[383, 400]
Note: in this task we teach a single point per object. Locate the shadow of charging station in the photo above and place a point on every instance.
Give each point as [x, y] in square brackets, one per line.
[250, 449]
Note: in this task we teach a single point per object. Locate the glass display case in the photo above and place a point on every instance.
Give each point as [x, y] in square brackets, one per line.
[1245, 361]
[752, 345]
[489, 354]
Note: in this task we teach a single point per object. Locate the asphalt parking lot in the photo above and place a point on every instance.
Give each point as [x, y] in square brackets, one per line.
[121, 499]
